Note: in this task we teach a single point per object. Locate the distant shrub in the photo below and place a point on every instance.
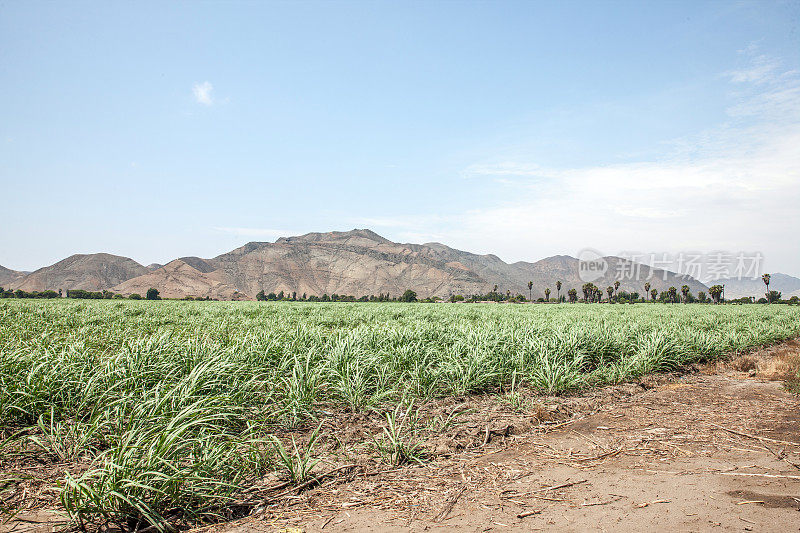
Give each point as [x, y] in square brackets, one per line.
[135, 296]
[409, 296]
[24, 294]
[81, 294]
[774, 296]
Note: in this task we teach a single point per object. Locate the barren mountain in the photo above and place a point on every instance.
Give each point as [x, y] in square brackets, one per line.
[360, 262]
[91, 272]
[545, 272]
[8, 277]
[632, 276]
[738, 288]
[178, 279]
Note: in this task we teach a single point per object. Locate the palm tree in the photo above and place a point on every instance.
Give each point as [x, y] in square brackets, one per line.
[646, 289]
[685, 292]
[495, 289]
[586, 288]
[558, 290]
[610, 291]
[573, 295]
[765, 279]
[673, 294]
[530, 290]
[715, 292]
[547, 294]
[616, 288]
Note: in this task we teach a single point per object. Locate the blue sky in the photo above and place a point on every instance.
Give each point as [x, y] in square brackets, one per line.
[524, 129]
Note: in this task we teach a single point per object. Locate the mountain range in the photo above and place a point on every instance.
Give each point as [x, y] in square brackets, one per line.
[358, 262]
[787, 285]
[10, 277]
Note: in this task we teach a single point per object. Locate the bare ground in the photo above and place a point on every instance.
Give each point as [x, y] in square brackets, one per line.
[716, 448]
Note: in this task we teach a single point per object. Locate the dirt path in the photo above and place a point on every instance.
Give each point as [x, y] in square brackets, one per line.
[674, 457]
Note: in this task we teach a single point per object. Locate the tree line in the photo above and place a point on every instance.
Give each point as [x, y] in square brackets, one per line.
[591, 294]
[408, 296]
[78, 294]
[612, 294]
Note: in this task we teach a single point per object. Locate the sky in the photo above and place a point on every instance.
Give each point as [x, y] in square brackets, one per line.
[524, 129]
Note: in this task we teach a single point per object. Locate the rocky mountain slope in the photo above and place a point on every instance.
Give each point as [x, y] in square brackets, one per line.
[737, 288]
[358, 262]
[91, 272]
[178, 279]
[9, 277]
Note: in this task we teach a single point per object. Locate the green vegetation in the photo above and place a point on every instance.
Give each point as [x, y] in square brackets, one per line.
[409, 296]
[398, 443]
[178, 407]
[774, 297]
[19, 293]
[297, 465]
[716, 293]
[76, 294]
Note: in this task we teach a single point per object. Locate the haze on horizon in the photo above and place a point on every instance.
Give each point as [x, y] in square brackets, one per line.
[520, 129]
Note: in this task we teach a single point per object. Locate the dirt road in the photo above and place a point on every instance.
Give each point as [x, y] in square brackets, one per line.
[713, 450]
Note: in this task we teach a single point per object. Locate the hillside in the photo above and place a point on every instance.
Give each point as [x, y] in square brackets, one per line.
[737, 288]
[545, 272]
[358, 262]
[91, 272]
[178, 279]
[8, 277]
[361, 262]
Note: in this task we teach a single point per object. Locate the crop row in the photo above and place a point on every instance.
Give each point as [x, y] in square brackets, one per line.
[174, 405]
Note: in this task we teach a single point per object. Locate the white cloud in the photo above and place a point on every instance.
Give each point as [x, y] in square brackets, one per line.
[202, 93]
[734, 187]
[761, 69]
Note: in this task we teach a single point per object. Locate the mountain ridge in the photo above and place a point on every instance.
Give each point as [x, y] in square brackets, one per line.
[91, 272]
[9, 277]
[357, 262]
[754, 287]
